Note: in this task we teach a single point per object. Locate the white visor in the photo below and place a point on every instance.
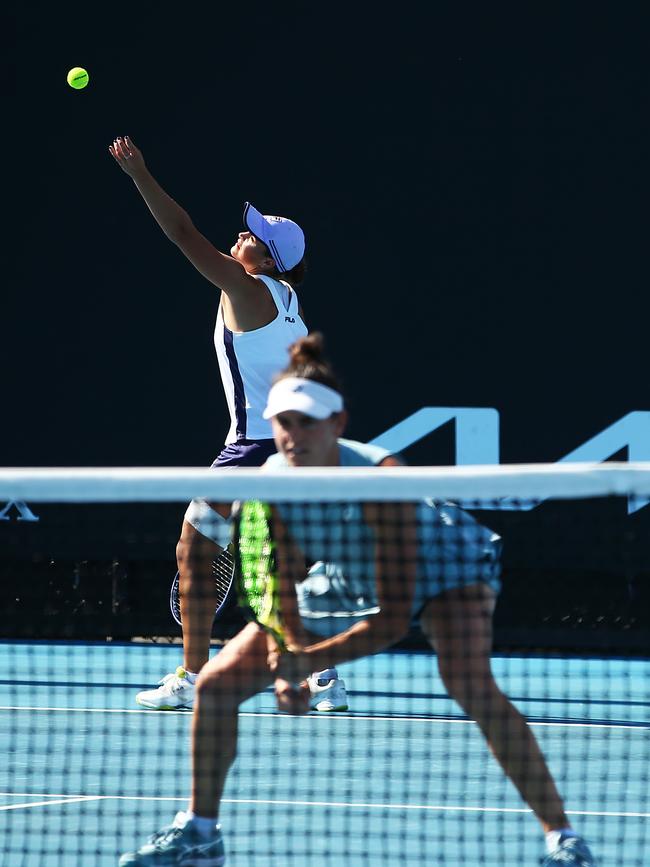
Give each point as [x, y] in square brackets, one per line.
[303, 395]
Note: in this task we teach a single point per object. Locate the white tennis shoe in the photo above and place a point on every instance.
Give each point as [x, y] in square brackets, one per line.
[327, 695]
[175, 690]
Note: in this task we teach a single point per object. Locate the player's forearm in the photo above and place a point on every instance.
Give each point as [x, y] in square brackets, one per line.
[172, 219]
[362, 639]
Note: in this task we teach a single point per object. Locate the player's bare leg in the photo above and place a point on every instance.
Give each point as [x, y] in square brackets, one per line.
[459, 625]
[197, 591]
[239, 671]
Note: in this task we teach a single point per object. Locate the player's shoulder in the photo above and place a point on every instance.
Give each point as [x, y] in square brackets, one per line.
[274, 462]
[356, 454]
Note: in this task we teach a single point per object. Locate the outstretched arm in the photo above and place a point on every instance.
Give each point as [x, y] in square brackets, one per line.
[220, 269]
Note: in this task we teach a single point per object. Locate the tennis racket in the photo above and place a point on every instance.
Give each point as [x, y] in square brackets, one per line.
[256, 576]
[324, 601]
[223, 569]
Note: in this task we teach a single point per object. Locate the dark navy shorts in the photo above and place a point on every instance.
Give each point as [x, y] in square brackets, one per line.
[245, 453]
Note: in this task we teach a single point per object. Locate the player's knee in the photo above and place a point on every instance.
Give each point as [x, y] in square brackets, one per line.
[222, 690]
[212, 682]
[473, 688]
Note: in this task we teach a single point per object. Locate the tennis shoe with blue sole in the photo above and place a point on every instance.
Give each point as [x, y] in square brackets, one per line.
[178, 845]
[175, 691]
[570, 852]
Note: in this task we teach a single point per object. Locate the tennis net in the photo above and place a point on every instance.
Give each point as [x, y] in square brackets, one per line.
[561, 689]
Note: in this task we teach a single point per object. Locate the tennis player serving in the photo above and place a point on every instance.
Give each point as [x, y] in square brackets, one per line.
[258, 317]
[399, 561]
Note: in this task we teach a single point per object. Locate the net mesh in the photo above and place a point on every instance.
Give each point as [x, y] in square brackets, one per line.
[555, 680]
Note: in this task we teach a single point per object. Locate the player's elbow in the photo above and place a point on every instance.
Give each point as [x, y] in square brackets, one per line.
[181, 230]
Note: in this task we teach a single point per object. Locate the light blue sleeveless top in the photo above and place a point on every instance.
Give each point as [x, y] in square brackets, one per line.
[453, 550]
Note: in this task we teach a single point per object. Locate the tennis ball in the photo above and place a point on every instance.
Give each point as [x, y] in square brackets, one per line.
[78, 77]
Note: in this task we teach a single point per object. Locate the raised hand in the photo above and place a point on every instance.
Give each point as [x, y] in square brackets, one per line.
[126, 155]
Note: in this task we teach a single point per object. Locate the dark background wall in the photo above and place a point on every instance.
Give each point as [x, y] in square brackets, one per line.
[473, 186]
[474, 189]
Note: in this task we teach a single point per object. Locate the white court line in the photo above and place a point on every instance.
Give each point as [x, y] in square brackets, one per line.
[61, 800]
[348, 805]
[186, 713]
[632, 726]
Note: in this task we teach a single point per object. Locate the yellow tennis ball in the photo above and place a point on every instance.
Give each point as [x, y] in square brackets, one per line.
[78, 77]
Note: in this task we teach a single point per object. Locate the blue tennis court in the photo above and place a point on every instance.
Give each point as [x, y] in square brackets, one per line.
[401, 778]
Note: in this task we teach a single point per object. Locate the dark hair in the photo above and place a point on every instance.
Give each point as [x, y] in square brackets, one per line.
[296, 275]
[307, 360]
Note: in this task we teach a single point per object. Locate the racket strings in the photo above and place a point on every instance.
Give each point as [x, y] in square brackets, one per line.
[223, 568]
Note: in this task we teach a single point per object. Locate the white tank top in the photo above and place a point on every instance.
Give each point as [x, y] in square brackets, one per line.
[249, 361]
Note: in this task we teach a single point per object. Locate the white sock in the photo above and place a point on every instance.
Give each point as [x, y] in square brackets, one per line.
[553, 837]
[206, 827]
[191, 675]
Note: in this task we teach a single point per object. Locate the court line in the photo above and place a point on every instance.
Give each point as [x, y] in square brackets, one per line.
[61, 800]
[424, 696]
[633, 724]
[348, 805]
[96, 710]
